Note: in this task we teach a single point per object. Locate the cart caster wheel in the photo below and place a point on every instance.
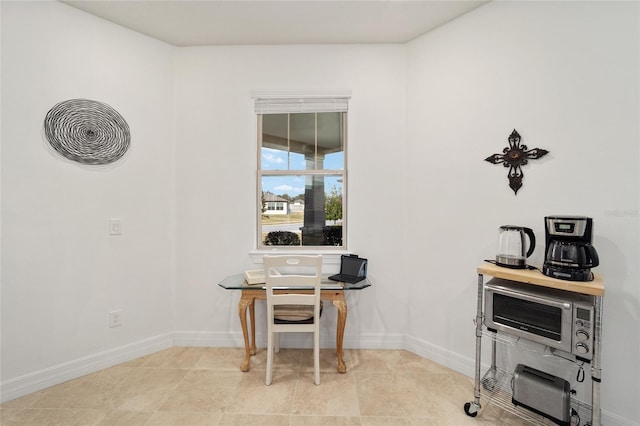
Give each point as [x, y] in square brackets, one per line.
[470, 409]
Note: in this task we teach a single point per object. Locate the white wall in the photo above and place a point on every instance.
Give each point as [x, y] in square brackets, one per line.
[61, 271]
[566, 76]
[216, 166]
[422, 119]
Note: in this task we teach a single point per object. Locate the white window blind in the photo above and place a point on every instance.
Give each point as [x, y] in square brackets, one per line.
[301, 105]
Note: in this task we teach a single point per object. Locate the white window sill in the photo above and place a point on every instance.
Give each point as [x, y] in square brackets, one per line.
[329, 257]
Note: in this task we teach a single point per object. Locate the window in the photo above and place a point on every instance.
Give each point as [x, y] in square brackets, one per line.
[301, 172]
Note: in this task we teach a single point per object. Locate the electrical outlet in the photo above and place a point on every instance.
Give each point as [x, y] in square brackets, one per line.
[115, 318]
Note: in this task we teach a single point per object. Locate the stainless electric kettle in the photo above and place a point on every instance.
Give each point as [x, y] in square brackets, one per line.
[512, 246]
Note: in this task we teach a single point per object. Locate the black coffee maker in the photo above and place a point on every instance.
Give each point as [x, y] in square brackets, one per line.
[569, 253]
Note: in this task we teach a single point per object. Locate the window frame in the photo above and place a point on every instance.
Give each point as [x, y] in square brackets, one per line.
[340, 173]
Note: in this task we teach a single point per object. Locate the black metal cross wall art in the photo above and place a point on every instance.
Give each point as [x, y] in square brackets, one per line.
[515, 156]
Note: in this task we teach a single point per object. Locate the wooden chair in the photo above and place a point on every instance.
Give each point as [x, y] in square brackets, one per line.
[293, 312]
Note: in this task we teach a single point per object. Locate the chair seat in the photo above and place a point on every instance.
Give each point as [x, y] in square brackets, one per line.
[300, 314]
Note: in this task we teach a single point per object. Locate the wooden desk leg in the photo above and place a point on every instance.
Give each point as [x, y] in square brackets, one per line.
[342, 320]
[242, 310]
[252, 317]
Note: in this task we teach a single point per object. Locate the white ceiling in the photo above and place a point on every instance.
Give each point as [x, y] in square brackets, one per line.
[218, 22]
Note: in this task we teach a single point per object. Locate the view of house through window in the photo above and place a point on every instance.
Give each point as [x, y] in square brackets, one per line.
[301, 179]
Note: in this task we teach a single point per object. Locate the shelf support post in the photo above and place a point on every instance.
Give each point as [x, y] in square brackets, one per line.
[478, 321]
[595, 363]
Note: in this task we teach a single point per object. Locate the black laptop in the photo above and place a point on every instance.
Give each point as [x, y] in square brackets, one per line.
[352, 269]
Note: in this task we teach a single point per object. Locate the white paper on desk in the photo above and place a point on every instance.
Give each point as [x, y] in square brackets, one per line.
[256, 276]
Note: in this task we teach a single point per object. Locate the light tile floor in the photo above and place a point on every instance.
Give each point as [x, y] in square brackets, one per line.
[204, 386]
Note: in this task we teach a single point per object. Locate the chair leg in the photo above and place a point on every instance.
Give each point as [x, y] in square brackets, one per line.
[316, 357]
[277, 342]
[269, 376]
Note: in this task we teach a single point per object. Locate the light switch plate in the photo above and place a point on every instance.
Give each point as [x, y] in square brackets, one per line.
[115, 226]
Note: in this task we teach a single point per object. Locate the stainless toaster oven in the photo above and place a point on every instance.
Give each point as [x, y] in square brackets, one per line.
[556, 318]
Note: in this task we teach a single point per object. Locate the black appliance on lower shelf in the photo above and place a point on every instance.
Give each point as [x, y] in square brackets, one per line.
[569, 253]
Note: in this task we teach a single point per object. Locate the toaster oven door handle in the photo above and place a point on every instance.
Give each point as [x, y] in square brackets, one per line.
[529, 297]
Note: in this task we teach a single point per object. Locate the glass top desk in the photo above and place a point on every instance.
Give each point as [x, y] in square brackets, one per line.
[331, 290]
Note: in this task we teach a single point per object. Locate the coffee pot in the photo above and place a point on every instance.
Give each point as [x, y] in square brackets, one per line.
[513, 249]
[569, 253]
[572, 254]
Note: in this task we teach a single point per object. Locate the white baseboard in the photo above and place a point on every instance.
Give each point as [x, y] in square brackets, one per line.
[610, 419]
[42, 379]
[442, 356]
[235, 339]
[375, 341]
[208, 339]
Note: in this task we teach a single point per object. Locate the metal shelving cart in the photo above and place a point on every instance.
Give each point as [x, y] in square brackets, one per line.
[496, 382]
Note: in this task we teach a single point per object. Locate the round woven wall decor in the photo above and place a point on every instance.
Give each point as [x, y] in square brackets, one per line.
[86, 131]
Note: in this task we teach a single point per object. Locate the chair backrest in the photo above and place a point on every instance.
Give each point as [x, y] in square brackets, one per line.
[293, 271]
